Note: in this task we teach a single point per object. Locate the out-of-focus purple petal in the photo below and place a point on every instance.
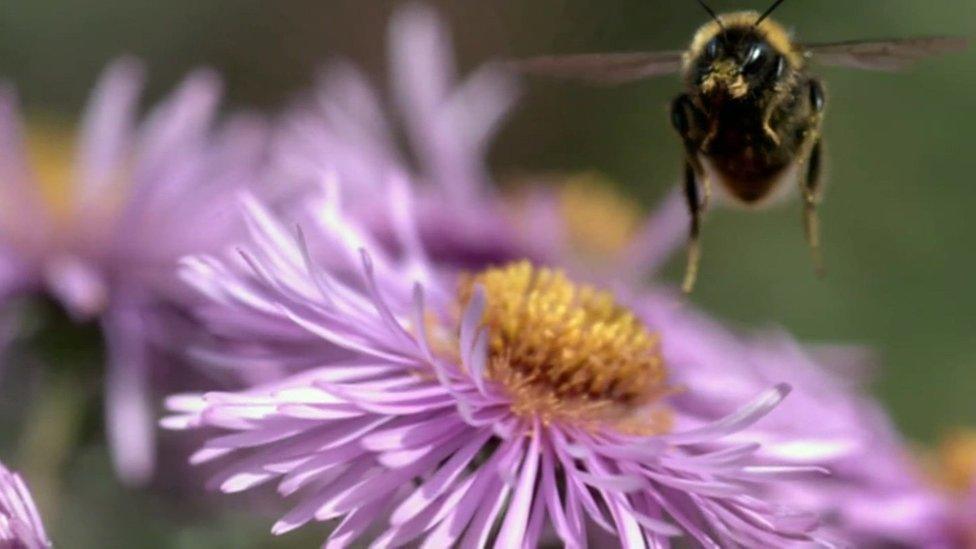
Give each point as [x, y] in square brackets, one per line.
[16, 182]
[129, 419]
[178, 124]
[142, 194]
[105, 138]
[663, 232]
[78, 285]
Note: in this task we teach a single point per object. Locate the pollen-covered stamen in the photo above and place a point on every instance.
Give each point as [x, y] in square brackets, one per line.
[566, 351]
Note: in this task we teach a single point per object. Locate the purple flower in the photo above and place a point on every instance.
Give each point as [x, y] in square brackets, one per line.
[345, 130]
[443, 407]
[20, 523]
[129, 200]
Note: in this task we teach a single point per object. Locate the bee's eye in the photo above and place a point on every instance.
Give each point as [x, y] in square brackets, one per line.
[713, 48]
[755, 58]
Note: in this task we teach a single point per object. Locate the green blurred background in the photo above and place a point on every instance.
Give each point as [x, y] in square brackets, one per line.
[898, 221]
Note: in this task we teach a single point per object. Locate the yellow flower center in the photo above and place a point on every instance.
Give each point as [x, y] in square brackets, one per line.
[567, 352]
[50, 151]
[956, 462]
[599, 221]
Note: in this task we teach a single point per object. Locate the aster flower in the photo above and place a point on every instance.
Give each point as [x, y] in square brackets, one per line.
[20, 523]
[122, 203]
[346, 130]
[444, 407]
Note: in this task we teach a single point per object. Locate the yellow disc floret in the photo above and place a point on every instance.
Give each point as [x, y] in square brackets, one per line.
[599, 221]
[568, 352]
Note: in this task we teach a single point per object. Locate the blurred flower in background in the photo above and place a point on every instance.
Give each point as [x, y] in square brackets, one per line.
[465, 220]
[346, 131]
[98, 223]
[20, 524]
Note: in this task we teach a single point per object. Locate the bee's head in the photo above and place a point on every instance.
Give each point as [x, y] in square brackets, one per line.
[733, 55]
[736, 62]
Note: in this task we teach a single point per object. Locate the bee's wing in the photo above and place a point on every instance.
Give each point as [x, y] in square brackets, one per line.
[883, 55]
[602, 68]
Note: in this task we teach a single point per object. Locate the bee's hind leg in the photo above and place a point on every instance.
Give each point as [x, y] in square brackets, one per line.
[687, 121]
[696, 207]
[811, 186]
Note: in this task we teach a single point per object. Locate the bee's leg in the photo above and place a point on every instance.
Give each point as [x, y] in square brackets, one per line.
[697, 203]
[688, 122]
[771, 133]
[812, 182]
[811, 187]
[767, 127]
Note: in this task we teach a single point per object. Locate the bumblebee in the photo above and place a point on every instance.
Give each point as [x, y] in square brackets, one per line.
[751, 114]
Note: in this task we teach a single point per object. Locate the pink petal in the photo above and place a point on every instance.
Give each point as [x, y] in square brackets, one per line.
[495, 497]
[17, 184]
[661, 234]
[106, 130]
[129, 418]
[78, 285]
[398, 459]
[629, 531]
[179, 122]
[537, 520]
[429, 517]
[411, 435]
[550, 491]
[315, 469]
[433, 487]
[512, 533]
[307, 509]
[355, 525]
[734, 422]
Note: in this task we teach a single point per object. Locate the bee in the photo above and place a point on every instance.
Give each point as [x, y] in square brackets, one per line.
[751, 114]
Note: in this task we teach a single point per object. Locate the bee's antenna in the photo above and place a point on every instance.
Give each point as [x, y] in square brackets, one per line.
[768, 12]
[711, 12]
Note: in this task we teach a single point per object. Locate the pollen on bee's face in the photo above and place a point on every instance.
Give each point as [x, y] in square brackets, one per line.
[725, 76]
[564, 351]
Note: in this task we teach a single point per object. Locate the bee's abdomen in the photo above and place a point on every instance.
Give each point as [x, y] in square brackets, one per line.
[747, 164]
[748, 158]
[748, 180]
